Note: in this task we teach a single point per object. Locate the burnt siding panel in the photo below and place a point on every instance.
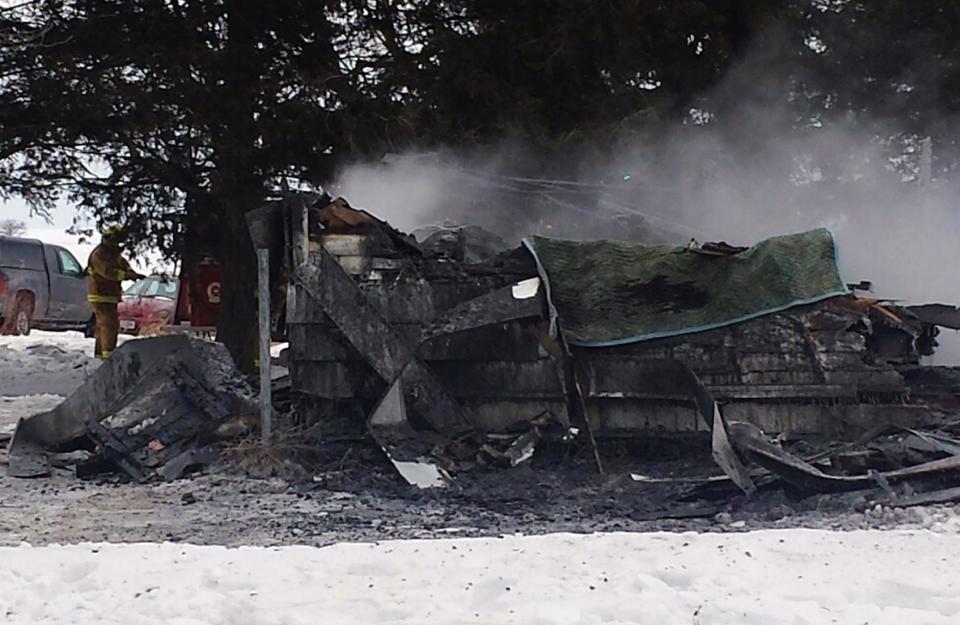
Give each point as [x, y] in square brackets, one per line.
[515, 341]
[304, 309]
[501, 380]
[503, 342]
[756, 362]
[319, 342]
[794, 377]
[404, 302]
[629, 377]
[869, 381]
[333, 380]
[612, 416]
[839, 341]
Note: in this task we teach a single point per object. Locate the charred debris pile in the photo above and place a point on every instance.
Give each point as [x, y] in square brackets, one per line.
[458, 351]
[153, 410]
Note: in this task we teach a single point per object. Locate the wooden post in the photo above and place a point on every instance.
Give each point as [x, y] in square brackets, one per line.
[299, 232]
[266, 401]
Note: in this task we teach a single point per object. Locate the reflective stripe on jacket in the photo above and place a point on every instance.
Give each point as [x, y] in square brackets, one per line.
[102, 299]
[106, 268]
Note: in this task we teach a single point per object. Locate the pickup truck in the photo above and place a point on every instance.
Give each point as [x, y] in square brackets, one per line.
[41, 286]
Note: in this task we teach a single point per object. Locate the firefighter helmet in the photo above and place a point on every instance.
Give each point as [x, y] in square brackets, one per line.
[112, 232]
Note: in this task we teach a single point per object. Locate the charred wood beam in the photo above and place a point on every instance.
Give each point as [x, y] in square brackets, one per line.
[576, 401]
[808, 478]
[115, 450]
[946, 495]
[511, 303]
[943, 315]
[381, 346]
[809, 346]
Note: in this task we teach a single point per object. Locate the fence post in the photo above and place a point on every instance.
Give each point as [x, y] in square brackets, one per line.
[266, 401]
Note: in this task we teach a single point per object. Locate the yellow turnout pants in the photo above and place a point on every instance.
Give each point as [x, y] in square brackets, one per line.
[108, 325]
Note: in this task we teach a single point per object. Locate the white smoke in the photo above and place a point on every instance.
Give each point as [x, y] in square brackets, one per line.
[751, 171]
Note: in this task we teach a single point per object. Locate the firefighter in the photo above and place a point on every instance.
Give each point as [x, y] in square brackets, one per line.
[106, 269]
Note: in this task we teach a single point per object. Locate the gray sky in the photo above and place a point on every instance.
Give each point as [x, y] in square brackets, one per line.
[38, 228]
[55, 232]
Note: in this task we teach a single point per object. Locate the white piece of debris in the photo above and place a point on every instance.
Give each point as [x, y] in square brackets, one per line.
[525, 289]
[525, 454]
[638, 477]
[390, 417]
[421, 474]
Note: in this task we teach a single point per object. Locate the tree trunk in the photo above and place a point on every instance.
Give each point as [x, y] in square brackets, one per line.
[237, 322]
[238, 185]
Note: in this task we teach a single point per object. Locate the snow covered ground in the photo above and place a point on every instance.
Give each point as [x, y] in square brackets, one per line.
[45, 363]
[70, 342]
[789, 577]
[38, 370]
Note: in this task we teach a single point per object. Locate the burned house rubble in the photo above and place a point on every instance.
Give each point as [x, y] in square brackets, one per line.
[450, 356]
[458, 351]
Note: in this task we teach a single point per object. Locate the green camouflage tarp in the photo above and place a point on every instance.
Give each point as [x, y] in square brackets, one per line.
[610, 293]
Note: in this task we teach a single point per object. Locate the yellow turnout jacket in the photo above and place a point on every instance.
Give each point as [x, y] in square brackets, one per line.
[106, 268]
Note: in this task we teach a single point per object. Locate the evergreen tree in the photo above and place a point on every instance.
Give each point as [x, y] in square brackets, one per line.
[160, 114]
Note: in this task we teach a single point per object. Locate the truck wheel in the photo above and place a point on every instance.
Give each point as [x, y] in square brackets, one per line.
[22, 314]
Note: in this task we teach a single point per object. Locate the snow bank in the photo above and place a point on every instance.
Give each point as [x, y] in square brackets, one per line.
[67, 341]
[46, 362]
[772, 577]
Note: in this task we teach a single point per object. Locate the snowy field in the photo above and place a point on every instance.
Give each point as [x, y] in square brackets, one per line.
[789, 577]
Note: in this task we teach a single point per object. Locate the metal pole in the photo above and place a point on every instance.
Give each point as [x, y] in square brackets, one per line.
[263, 282]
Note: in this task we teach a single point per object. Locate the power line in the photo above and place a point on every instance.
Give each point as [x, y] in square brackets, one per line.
[653, 217]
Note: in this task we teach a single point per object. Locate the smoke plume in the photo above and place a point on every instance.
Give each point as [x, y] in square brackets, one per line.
[742, 175]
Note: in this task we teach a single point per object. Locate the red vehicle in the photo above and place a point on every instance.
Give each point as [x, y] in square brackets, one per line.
[148, 304]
